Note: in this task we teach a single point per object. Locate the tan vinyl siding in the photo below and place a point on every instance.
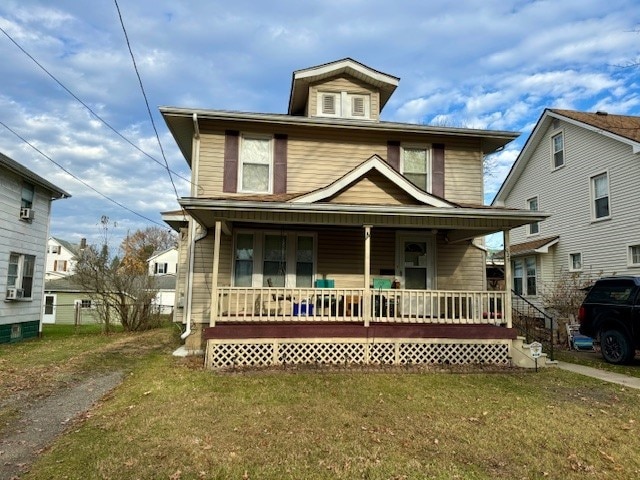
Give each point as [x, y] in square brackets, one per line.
[318, 157]
[373, 189]
[203, 265]
[344, 84]
[211, 163]
[459, 267]
[463, 172]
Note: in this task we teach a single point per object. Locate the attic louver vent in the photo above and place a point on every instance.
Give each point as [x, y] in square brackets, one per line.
[357, 106]
[329, 104]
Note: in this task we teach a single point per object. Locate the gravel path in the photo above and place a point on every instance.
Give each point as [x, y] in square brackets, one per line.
[42, 421]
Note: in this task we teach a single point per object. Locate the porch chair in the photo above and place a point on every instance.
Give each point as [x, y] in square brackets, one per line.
[576, 340]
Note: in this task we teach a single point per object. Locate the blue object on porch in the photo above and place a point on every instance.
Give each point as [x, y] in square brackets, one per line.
[325, 283]
[381, 283]
[302, 308]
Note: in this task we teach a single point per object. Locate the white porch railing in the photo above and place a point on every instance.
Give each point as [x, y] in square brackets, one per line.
[317, 305]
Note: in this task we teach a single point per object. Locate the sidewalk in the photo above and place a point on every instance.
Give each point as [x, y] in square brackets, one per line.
[606, 376]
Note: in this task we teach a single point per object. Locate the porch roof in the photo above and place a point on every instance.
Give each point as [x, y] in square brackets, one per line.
[459, 222]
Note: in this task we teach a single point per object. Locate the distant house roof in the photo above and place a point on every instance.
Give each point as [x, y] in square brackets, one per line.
[73, 248]
[623, 128]
[24, 172]
[65, 284]
[165, 282]
[161, 252]
[540, 245]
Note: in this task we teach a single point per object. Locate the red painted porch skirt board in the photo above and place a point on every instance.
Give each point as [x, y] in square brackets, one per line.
[229, 331]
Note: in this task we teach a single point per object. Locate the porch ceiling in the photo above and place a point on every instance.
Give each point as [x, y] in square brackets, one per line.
[461, 223]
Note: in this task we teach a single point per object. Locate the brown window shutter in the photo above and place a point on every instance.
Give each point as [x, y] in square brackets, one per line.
[64, 266]
[55, 265]
[393, 154]
[437, 170]
[230, 176]
[280, 164]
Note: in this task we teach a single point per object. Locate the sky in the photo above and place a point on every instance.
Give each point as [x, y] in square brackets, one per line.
[489, 64]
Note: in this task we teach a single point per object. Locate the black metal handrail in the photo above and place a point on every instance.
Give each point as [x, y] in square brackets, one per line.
[546, 339]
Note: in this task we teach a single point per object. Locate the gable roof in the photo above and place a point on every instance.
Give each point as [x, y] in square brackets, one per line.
[623, 128]
[303, 78]
[73, 248]
[373, 163]
[24, 172]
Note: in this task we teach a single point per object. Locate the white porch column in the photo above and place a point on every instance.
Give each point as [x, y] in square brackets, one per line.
[366, 301]
[507, 276]
[214, 274]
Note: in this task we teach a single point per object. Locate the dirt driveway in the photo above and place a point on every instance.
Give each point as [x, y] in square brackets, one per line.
[40, 421]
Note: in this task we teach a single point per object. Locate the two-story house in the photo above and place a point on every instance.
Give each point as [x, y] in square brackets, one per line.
[328, 235]
[25, 209]
[164, 266]
[61, 257]
[583, 169]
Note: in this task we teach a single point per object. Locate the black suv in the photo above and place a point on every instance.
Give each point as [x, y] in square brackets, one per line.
[610, 313]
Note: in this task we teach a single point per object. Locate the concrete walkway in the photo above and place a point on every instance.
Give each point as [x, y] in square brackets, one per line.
[604, 375]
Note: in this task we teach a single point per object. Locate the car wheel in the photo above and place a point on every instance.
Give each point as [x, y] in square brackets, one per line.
[615, 347]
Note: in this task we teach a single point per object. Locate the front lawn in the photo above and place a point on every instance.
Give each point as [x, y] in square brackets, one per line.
[172, 420]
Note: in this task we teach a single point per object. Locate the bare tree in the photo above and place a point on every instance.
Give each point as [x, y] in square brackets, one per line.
[119, 290]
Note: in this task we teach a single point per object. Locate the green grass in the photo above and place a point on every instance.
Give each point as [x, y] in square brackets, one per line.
[171, 419]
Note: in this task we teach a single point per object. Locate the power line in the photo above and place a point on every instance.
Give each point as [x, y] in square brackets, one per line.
[144, 94]
[78, 178]
[91, 110]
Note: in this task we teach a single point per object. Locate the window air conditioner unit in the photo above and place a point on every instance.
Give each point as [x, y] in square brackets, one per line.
[14, 293]
[26, 214]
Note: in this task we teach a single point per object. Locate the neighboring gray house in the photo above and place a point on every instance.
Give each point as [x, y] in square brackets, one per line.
[25, 208]
[583, 169]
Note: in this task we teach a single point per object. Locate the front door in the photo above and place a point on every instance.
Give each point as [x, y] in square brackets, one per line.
[415, 261]
[49, 315]
[415, 268]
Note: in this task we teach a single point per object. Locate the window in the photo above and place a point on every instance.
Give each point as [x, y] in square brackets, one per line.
[54, 249]
[600, 196]
[275, 260]
[255, 164]
[285, 259]
[575, 262]
[243, 260]
[524, 276]
[532, 204]
[416, 165]
[557, 142]
[20, 273]
[634, 256]
[84, 303]
[59, 265]
[28, 192]
[160, 268]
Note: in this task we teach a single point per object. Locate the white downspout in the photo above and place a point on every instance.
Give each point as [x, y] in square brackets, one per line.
[192, 250]
[193, 238]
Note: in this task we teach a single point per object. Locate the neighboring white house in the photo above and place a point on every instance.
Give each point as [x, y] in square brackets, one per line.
[61, 257]
[164, 262]
[583, 169]
[25, 208]
[164, 266]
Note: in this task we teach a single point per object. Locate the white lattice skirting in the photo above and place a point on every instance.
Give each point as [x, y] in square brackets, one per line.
[248, 353]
